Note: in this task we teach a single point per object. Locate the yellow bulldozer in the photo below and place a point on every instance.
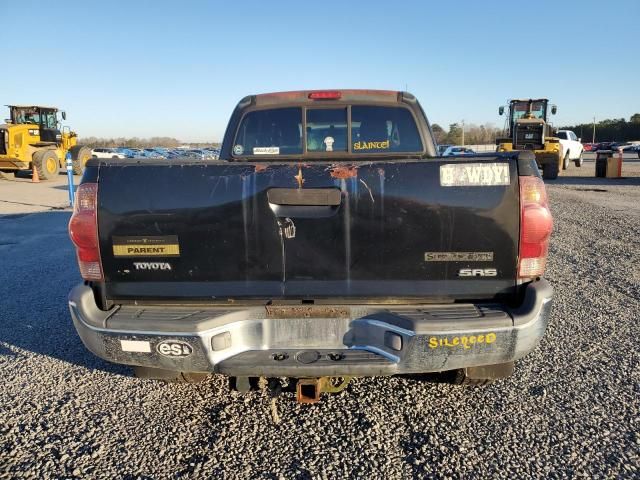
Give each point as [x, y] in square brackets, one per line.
[32, 139]
[529, 130]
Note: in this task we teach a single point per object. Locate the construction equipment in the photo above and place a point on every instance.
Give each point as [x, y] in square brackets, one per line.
[528, 129]
[31, 139]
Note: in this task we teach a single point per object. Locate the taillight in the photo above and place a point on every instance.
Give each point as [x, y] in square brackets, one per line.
[83, 230]
[325, 95]
[535, 228]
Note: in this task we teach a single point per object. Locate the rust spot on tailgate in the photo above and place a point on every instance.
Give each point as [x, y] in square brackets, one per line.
[344, 172]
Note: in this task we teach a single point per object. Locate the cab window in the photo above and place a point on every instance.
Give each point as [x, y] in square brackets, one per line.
[327, 130]
[275, 131]
[383, 129]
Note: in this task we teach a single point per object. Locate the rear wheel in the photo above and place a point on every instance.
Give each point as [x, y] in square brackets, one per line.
[550, 171]
[46, 163]
[169, 376]
[79, 156]
[578, 161]
[565, 162]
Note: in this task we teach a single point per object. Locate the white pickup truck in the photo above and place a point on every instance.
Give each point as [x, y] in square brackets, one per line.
[572, 149]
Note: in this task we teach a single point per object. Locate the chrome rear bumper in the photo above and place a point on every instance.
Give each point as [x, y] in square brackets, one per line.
[313, 340]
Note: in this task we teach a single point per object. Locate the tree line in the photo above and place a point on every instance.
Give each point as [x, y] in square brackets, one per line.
[473, 134]
[135, 142]
[609, 130]
[616, 129]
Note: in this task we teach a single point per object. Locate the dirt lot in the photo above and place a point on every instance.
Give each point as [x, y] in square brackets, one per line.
[571, 409]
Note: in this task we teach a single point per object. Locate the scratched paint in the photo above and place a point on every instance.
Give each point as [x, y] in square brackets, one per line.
[245, 218]
[347, 230]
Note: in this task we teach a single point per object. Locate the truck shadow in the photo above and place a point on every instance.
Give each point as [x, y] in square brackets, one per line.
[595, 181]
[38, 270]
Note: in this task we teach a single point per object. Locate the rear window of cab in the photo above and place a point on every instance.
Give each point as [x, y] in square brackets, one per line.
[325, 130]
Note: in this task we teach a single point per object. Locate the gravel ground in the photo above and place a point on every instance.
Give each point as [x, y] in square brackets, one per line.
[572, 409]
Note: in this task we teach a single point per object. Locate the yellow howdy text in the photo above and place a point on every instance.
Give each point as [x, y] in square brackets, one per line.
[371, 145]
[466, 342]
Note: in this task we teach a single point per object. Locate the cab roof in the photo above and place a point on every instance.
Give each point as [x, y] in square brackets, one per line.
[32, 106]
[529, 100]
[319, 96]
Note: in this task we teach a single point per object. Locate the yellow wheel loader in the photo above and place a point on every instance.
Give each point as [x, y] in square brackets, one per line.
[529, 130]
[31, 139]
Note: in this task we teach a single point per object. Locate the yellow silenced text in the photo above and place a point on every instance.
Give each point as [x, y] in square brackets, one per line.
[464, 341]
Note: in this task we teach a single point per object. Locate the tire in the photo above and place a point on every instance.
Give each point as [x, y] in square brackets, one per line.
[47, 164]
[580, 160]
[79, 156]
[565, 161]
[550, 171]
[169, 376]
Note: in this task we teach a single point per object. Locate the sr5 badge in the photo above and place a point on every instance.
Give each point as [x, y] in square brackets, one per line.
[477, 272]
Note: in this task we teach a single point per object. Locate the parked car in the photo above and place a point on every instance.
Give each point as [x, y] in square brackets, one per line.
[363, 254]
[457, 150]
[572, 148]
[106, 153]
[626, 146]
[589, 147]
[442, 148]
[604, 145]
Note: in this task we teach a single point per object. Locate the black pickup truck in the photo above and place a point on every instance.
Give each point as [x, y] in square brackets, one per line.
[328, 241]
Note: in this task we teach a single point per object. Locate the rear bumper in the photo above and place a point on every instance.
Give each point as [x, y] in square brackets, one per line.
[313, 340]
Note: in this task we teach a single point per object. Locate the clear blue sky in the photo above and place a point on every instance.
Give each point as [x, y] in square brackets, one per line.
[177, 68]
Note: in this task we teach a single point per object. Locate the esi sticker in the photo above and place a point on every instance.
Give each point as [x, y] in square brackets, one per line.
[174, 348]
[474, 174]
[266, 150]
[238, 149]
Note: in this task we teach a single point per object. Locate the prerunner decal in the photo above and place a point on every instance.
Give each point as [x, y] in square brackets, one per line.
[266, 150]
[371, 145]
[458, 256]
[474, 174]
[139, 246]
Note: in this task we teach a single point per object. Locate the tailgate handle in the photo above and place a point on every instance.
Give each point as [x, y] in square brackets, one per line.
[304, 202]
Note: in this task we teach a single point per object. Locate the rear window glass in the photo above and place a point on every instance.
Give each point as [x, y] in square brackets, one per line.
[383, 129]
[374, 129]
[327, 130]
[270, 132]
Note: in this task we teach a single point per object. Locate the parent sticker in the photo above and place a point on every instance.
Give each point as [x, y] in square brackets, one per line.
[266, 150]
[474, 174]
[159, 246]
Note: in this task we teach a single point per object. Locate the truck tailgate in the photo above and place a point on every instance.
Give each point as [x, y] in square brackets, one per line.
[372, 230]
